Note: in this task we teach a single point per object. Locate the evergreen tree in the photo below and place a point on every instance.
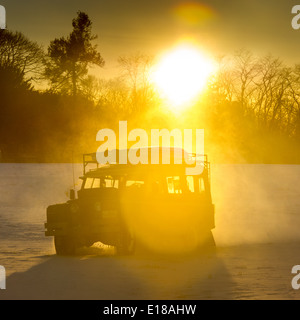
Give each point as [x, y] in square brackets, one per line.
[69, 58]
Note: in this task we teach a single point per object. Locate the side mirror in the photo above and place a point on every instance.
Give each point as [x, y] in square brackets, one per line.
[72, 194]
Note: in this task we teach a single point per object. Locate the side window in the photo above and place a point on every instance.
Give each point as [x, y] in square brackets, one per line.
[174, 184]
[96, 183]
[88, 183]
[110, 183]
[190, 183]
[195, 184]
[201, 185]
[134, 183]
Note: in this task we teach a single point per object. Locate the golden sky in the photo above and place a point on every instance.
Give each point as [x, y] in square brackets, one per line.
[124, 27]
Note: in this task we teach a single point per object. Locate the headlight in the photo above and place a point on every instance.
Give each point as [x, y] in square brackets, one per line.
[97, 206]
[74, 208]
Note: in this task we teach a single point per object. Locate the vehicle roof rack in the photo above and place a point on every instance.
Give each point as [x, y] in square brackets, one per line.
[91, 158]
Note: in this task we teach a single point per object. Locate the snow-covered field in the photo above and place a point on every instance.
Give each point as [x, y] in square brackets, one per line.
[257, 235]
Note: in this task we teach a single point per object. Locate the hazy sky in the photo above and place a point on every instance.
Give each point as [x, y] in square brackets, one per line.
[126, 26]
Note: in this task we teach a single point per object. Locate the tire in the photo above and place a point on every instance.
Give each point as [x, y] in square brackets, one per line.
[64, 245]
[208, 243]
[209, 240]
[126, 245]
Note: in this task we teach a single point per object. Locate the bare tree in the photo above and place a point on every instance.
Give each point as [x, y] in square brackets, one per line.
[294, 103]
[265, 88]
[272, 94]
[244, 73]
[135, 72]
[21, 54]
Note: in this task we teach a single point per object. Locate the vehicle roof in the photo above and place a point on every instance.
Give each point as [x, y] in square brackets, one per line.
[139, 170]
[117, 169]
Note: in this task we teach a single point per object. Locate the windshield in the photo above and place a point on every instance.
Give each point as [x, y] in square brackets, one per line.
[151, 185]
[97, 183]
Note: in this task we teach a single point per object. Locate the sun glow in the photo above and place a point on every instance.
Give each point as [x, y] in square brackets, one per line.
[182, 74]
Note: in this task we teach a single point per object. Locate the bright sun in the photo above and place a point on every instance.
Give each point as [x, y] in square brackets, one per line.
[182, 74]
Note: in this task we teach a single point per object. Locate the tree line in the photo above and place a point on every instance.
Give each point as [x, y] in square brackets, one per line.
[51, 107]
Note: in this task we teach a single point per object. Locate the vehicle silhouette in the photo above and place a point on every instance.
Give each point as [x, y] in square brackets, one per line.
[159, 206]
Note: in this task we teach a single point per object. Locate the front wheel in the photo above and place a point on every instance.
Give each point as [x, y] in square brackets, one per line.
[126, 245]
[209, 241]
[64, 245]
